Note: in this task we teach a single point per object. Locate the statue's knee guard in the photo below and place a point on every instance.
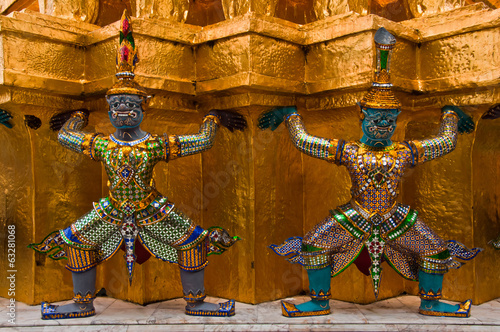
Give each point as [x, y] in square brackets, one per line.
[195, 258]
[315, 258]
[81, 260]
[438, 263]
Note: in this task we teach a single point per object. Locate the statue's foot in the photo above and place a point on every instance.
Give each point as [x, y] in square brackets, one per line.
[72, 310]
[436, 308]
[310, 308]
[201, 308]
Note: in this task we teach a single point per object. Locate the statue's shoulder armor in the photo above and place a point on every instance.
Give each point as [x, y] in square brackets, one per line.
[155, 141]
[102, 142]
[402, 148]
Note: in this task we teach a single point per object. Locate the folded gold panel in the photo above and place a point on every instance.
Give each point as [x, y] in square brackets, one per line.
[471, 59]
[344, 62]
[279, 210]
[486, 203]
[228, 176]
[226, 58]
[39, 193]
[253, 183]
[16, 205]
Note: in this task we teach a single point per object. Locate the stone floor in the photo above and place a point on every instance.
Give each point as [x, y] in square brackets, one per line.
[396, 314]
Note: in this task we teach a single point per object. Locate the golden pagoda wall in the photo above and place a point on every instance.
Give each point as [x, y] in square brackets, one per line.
[254, 183]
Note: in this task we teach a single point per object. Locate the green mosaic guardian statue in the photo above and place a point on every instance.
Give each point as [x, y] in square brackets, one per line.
[135, 216]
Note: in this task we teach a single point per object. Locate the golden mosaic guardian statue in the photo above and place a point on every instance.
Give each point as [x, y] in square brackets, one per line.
[373, 225]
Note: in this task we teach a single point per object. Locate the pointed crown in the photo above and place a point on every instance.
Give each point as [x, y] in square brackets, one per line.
[126, 59]
[380, 95]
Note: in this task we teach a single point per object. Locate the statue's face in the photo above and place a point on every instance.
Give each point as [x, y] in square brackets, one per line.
[379, 124]
[125, 111]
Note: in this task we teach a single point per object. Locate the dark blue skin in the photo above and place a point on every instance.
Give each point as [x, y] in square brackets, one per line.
[126, 115]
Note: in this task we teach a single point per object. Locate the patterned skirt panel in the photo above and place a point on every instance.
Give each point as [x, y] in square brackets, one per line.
[340, 248]
[177, 239]
[90, 233]
[419, 240]
[91, 230]
[406, 254]
[328, 234]
[419, 248]
[162, 239]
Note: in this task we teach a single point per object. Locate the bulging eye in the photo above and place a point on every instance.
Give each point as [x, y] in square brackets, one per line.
[130, 105]
[115, 105]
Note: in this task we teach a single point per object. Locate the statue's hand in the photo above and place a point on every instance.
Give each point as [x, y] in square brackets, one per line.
[230, 119]
[465, 122]
[493, 113]
[273, 118]
[4, 118]
[32, 121]
[58, 120]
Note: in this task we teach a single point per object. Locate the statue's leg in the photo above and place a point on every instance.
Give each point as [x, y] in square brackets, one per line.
[83, 288]
[192, 264]
[319, 288]
[431, 285]
[316, 253]
[177, 238]
[429, 260]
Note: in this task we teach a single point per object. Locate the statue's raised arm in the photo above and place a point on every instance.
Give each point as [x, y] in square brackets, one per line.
[314, 146]
[70, 125]
[453, 122]
[185, 145]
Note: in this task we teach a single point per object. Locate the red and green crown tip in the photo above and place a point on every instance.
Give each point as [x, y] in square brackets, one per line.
[128, 37]
[126, 29]
[125, 26]
[124, 52]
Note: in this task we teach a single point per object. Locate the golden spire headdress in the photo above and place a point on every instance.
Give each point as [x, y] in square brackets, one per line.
[126, 59]
[380, 95]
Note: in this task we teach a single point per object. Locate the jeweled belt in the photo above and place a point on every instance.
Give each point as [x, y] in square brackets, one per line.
[138, 205]
[375, 218]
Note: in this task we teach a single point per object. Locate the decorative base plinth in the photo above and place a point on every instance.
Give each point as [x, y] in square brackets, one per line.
[462, 312]
[226, 309]
[49, 312]
[290, 310]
